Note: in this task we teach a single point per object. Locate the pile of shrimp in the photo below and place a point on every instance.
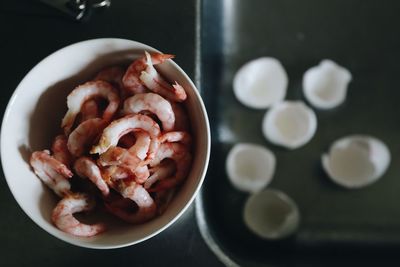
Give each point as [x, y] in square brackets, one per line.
[125, 147]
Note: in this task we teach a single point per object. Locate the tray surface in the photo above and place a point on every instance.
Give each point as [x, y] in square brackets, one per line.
[342, 225]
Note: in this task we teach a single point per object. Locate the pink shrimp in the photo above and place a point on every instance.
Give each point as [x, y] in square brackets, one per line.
[142, 173]
[85, 92]
[131, 80]
[180, 154]
[64, 219]
[86, 167]
[118, 128]
[181, 117]
[147, 208]
[177, 136]
[130, 158]
[89, 110]
[60, 150]
[162, 171]
[118, 155]
[153, 103]
[51, 171]
[171, 137]
[114, 173]
[156, 83]
[82, 138]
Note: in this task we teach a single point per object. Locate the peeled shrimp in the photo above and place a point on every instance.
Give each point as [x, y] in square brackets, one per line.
[86, 167]
[84, 135]
[131, 80]
[118, 155]
[177, 136]
[171, 137]
[153, 103]
[147, 208]
[130, 158]
[64, 219]
[141, 146]
[153, 80]
[89, 110]
[180, 154]
[162, 171]
[51, 171]
[142, 173]
[114, 173]
[122, 126]
[87, 91]
[60, 150]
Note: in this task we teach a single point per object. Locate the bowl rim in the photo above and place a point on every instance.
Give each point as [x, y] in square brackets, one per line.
[71, 239]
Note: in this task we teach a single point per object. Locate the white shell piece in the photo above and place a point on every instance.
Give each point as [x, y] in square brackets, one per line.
[260, 83]
[325, 85]
[271, 214]
[290, 124]
[356, 161]
[250, 167]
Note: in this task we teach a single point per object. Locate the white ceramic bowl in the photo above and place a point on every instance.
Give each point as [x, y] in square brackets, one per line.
[33, 117]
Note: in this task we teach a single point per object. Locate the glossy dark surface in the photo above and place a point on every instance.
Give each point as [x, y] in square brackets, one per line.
[30, 32]
[338, 226]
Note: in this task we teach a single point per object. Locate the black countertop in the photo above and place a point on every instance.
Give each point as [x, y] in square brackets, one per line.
[29, 32]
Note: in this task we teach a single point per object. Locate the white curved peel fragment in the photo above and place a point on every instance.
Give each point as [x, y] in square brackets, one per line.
[290, 124]
[250, 167]
[271, 214]
[356, 161]
[325, 85]
[260, 83]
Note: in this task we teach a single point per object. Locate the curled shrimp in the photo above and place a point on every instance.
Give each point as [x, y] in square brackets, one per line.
[146, 207]
[51, 171]
[162, 171]
[87, 91]
[153, 80]
[130, 158]
[171, 137]
[86, 167]
[131, 80]
[64, 219]
[118, 128]
[84, 135]
[153, 103]
[60, 150]
[180, 154]
[89, 110]
[141, 173]
[177, 136]
[120, 156]
[114, 173]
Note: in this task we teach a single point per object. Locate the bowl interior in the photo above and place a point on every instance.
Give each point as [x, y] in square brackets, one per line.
[33, 118]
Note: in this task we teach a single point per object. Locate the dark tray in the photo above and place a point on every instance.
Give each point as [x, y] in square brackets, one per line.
[338, 226]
